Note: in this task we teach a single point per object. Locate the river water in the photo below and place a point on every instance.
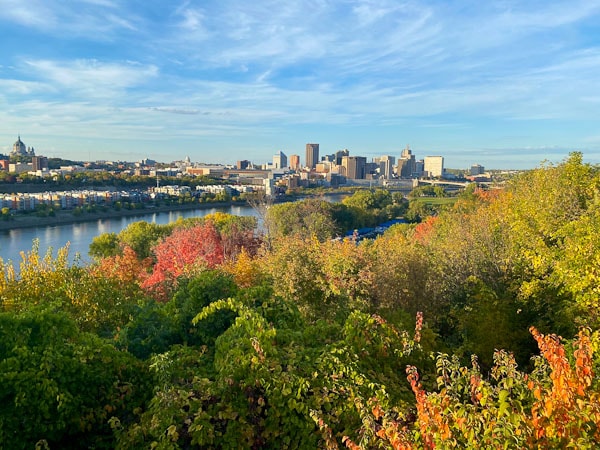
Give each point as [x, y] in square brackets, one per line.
[80, 235]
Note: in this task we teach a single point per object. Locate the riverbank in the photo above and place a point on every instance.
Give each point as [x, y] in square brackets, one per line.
[67, 217]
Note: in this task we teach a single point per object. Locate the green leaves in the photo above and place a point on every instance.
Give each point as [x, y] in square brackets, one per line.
[61, 385]
[305, 219]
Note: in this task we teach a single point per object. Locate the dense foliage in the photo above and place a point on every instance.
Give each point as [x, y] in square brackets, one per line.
[208, 334]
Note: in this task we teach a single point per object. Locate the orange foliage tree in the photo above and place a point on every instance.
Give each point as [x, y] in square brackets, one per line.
[125, 267]
[555, 406]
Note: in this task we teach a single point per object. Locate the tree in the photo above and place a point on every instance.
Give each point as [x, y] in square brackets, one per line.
[237, 233]
[105, 245]
[371, 207]
[191, 297]
[125, 267]
[305, 219]
[142, 236]
[402, 273]
[293, 385]
[97, 301]
[428, 191]
[59, 387]
[185, 251]
[577, 267]
[5, 213]
[556, 406]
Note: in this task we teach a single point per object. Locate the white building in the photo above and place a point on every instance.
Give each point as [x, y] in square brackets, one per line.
[433, 166]
[280, 161]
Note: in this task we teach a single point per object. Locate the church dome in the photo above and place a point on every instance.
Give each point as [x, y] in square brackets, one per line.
[19, 147]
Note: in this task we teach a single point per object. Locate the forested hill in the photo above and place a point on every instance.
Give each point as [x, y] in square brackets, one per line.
[208, 334]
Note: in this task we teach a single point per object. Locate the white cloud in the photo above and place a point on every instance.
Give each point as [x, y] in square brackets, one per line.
[239, 67]
[20, 87]
[175, 110]
[33, 14]
[90, 77]
[192, 19]
[91, 19]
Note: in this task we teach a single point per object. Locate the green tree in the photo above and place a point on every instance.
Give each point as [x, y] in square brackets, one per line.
[305, 219]
[156, 327]
[142, 236]
[104, 245]
[60, 387]
[373, 206]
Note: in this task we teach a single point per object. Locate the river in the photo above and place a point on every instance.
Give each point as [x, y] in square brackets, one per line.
[80, 235]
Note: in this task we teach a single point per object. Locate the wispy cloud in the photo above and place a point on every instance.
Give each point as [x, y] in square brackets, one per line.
[20, 87]
[90, 77]
[94, 19]
[172, 110]
[282, 69]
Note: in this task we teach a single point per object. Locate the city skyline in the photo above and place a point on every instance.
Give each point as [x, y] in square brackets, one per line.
[503, 84]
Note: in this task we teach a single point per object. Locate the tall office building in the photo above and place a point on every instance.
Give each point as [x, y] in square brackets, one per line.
[433, 166]
[294, 162]
[280, 161]
[406, 164]
[243, 164]
[39, 162]
[340, 154]
[312, 155]
[385, 164]
[477, 169]
[354, 167]
[419, 167]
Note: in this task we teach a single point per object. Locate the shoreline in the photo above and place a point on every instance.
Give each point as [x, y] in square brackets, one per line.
[66, 217]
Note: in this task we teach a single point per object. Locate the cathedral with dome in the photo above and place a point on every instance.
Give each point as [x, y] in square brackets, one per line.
[19, 149]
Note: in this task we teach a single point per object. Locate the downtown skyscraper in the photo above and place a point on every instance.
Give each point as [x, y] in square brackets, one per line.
[312, 155]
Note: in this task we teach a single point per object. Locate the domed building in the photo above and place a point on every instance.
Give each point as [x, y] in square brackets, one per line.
[19, 149]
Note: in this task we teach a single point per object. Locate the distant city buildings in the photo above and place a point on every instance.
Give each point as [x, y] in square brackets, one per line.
[39, 163]
[295, 162]
[340, 154]
[477, 169]
[354, 167]
[312, 155]
[407, 166]
[385, 166]
[280, 161]
[419, 167]
[243, 164]
[433, 166]
[19, 167]
[332, 169]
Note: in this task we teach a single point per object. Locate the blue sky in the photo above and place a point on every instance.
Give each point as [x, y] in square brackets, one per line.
[506, 84]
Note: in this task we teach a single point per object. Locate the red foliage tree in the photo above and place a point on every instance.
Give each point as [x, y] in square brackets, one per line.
[184, 251]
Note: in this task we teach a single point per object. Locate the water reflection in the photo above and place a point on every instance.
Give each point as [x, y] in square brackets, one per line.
[80, 235]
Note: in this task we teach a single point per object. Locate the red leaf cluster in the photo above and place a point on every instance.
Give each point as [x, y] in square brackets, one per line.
[183, 250]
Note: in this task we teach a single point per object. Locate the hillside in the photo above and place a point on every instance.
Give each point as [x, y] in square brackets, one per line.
[208, 334]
